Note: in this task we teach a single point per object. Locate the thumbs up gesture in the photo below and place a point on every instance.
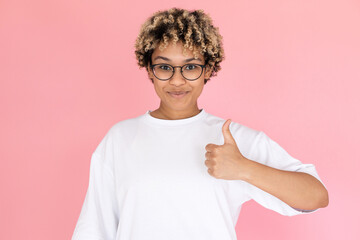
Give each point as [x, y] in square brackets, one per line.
[225, 161]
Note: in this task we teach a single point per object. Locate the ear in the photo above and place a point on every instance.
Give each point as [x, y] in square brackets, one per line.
[208, 71]
[150, 74]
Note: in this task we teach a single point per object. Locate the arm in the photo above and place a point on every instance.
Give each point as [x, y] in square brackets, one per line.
[299, 190]
[99, 214]
[272, 171]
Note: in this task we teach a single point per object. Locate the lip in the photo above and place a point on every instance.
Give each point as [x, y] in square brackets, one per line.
[174, 95]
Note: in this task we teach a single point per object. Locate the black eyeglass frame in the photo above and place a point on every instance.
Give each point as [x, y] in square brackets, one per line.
[181, 70]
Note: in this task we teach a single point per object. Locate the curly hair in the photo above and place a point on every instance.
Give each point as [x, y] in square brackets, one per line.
[194, 28]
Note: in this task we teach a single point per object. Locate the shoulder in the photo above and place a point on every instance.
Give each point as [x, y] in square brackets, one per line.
[245, 136]
[236, 128]
[126, 125]
[119, 132]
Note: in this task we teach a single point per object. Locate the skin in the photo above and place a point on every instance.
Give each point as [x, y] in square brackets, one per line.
[172, 108]
[299, 190]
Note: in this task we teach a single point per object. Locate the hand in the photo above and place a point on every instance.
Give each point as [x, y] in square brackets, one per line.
[225, 161]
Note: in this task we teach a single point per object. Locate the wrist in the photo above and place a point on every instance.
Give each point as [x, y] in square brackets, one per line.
[246, 167]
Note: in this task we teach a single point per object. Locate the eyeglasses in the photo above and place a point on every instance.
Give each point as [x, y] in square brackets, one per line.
[164, 71]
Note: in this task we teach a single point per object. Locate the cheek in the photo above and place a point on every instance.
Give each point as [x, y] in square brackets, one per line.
[159, 89]
[198, 89]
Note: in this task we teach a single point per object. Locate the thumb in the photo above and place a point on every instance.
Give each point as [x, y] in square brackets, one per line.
[228, 138]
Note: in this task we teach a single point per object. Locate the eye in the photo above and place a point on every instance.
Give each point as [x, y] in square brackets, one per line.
[165, 67]
[190, 67]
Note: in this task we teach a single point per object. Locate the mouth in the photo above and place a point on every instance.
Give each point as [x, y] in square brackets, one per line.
[178, 94]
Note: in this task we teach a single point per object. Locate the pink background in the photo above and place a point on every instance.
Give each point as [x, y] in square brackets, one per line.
[68, 73]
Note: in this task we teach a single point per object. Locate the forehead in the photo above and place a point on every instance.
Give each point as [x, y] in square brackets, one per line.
[175, 52]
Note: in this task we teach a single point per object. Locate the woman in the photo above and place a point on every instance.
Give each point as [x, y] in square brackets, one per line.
[179, 172]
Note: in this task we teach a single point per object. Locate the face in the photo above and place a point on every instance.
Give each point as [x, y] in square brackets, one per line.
[191, 90]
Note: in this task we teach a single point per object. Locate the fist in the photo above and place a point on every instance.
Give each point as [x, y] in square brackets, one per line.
[224, 161]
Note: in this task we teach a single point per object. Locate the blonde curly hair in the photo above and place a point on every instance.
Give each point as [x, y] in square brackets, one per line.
[194, 28]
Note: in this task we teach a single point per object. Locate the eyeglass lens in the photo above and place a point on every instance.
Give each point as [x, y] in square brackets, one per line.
[189, 71]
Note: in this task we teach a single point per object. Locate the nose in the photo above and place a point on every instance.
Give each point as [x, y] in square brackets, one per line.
[177, 79]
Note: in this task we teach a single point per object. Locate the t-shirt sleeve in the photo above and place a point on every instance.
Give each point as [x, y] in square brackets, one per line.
[270, 153]
[98, 218]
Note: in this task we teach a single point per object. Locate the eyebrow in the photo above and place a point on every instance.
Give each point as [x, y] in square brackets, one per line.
[186, 60]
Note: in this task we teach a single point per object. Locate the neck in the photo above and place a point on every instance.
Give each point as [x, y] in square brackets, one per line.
[172, 114]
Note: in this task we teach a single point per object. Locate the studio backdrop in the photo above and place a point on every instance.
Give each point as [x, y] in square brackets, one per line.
[68, 73]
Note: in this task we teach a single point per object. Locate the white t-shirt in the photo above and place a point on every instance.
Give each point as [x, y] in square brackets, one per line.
[148, 181]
